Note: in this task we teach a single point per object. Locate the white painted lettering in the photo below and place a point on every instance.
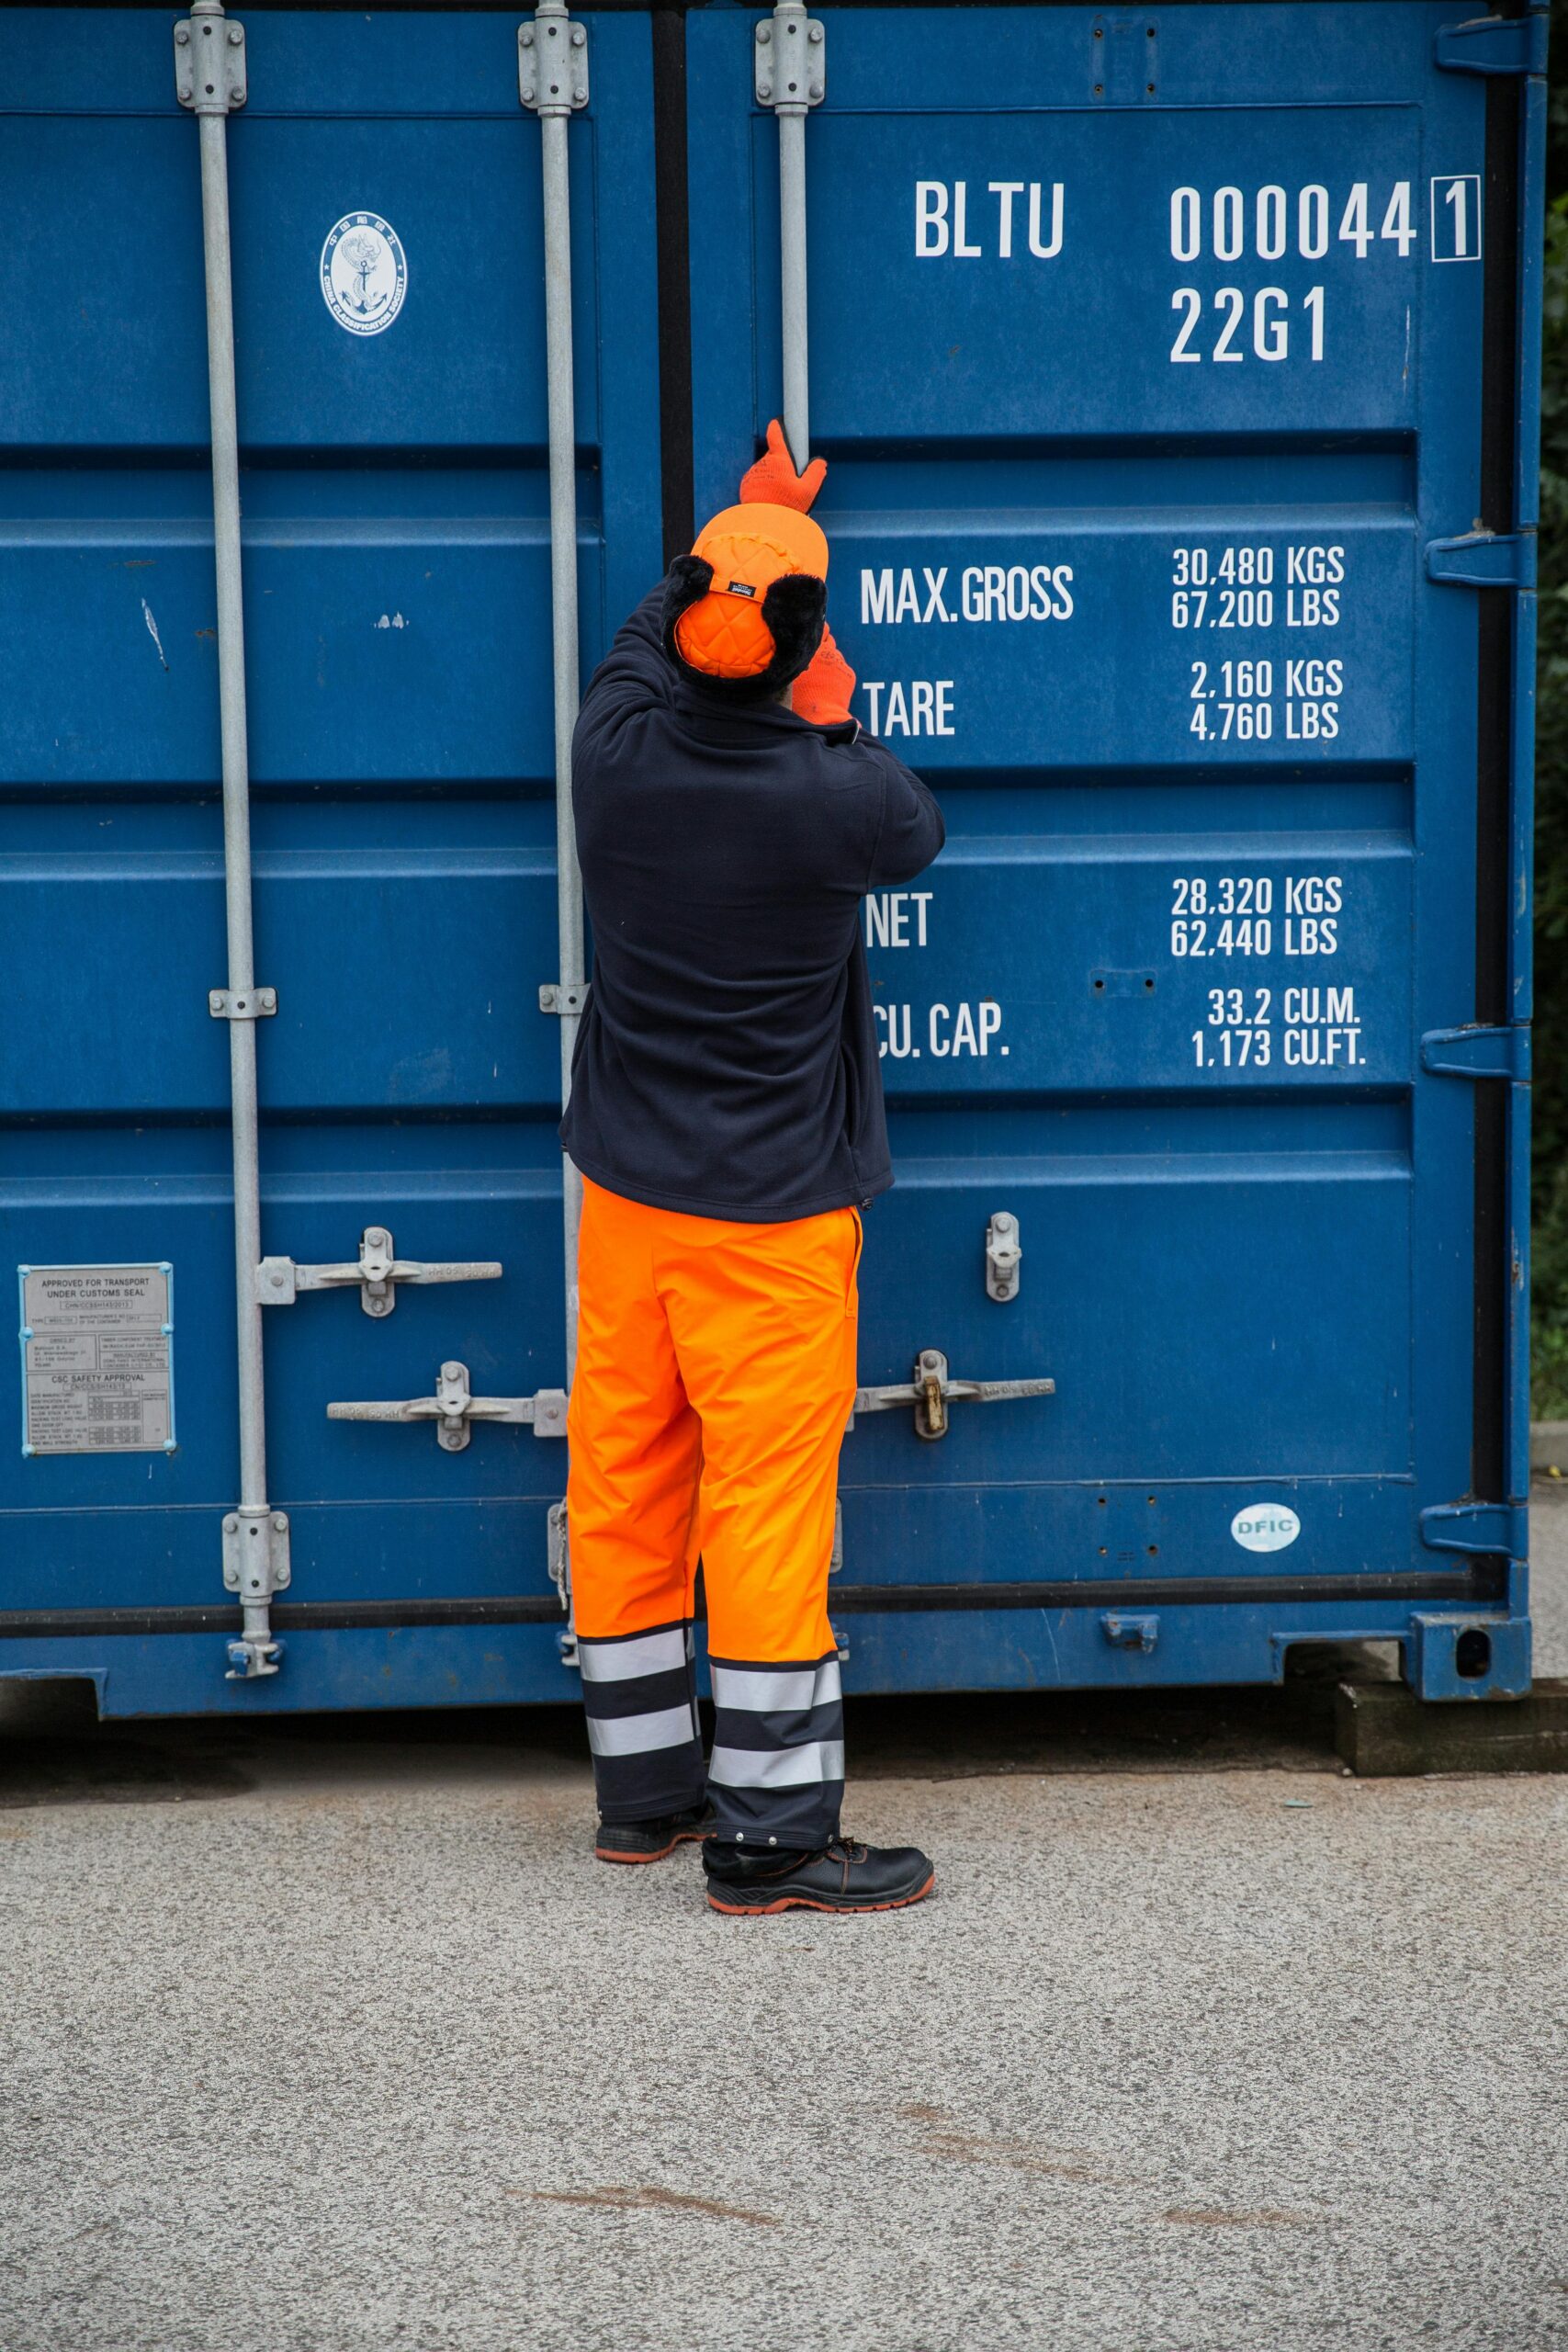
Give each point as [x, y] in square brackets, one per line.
[961, 249]
[1053, 246]
[1006, 190]
[930, 218]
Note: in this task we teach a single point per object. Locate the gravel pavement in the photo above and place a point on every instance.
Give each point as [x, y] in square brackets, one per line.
[332, 2038]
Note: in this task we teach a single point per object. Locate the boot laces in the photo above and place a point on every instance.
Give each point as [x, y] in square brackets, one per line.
[847, 1850]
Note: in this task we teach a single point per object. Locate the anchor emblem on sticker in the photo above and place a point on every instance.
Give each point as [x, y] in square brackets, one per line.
[365, 273]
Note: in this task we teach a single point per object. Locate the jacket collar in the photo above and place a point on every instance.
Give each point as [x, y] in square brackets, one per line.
[714, 718]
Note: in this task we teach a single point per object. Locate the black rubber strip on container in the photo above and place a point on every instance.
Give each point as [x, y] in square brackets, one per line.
[1444, 1585]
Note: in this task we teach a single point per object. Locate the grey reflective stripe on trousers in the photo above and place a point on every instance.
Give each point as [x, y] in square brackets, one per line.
[622, 1661]
[769, 1690]
[640, 1734]
[777, 1768]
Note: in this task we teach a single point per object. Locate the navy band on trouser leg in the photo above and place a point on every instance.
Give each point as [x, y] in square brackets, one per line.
[776, 1773]
[639, 1694]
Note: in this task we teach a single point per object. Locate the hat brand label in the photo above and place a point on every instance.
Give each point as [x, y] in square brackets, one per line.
[741, 588]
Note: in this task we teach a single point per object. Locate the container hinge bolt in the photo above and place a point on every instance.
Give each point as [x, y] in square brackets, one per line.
[378, 1271]
[1477, 1527]
[241, 1005]
[1003, 1251]
[933, 1389]
[789, 59]
[555, 995]
[552, 62]
[1494, 44]
[1478, 1052]
[454, 1409]
[1483, 559]
[209, 60]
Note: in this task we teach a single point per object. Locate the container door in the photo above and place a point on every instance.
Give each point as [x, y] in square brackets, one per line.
[1146, 352]
[392, 419]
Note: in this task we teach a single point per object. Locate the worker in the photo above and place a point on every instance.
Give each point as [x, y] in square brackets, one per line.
[726, 1115]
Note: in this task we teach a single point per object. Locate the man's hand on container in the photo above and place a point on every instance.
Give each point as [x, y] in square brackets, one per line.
[823, 689]
[772, 480]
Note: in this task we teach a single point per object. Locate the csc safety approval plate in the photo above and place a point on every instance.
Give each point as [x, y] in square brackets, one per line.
[97, 1359]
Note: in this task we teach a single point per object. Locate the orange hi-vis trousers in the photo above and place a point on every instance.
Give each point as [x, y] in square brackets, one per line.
[715, 1370]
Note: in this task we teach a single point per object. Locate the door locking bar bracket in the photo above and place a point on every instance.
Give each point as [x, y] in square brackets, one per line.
[209, 64]
[789, 59]
[256, 1566]
[1130, 1630]
[557, 1538]
[1003, 1252]
[552, 64]
[454, 1409]
[555, 995]
[241, 1005]
[933, 1389]
[378, 1271]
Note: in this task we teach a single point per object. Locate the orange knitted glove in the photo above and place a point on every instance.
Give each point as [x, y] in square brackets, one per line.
[823, 689]
[772, 480]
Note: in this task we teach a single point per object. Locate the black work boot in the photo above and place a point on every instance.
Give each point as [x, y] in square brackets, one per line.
[841, 1877]
[649, 1841]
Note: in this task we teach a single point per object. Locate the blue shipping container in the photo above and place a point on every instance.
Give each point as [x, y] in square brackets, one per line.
[1177, 374]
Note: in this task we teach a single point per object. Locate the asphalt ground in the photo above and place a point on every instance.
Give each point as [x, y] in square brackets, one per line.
[331, 2035]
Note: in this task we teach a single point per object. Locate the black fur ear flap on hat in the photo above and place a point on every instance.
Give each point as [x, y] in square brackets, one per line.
[796, 609]
[686, 582]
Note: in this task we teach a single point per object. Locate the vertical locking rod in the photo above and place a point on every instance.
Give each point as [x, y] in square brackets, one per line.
[790, 65]
[209, 79]
[555, 94]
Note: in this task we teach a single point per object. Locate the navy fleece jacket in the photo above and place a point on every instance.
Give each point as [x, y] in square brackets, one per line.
[727, 1064]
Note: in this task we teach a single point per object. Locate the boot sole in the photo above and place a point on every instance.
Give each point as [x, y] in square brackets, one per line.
[682, 1837]
[813, 1903]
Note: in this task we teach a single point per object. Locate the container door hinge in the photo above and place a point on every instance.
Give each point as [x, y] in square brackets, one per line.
[453, 1410]
[1494, 45]
[555, 996]
[1483, 559]
[378, 1271]
[210, 63]
[1478, 1052]
[932, 1390]
[256, 1566]
[789, 59]
[552, 63]
[1477, 1527]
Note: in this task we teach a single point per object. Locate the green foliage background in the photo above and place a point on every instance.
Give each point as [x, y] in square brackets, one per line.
[1550, 1295]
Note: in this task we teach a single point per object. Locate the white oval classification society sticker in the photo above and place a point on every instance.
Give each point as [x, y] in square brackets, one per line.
[365, 273]
[1265, 1527]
